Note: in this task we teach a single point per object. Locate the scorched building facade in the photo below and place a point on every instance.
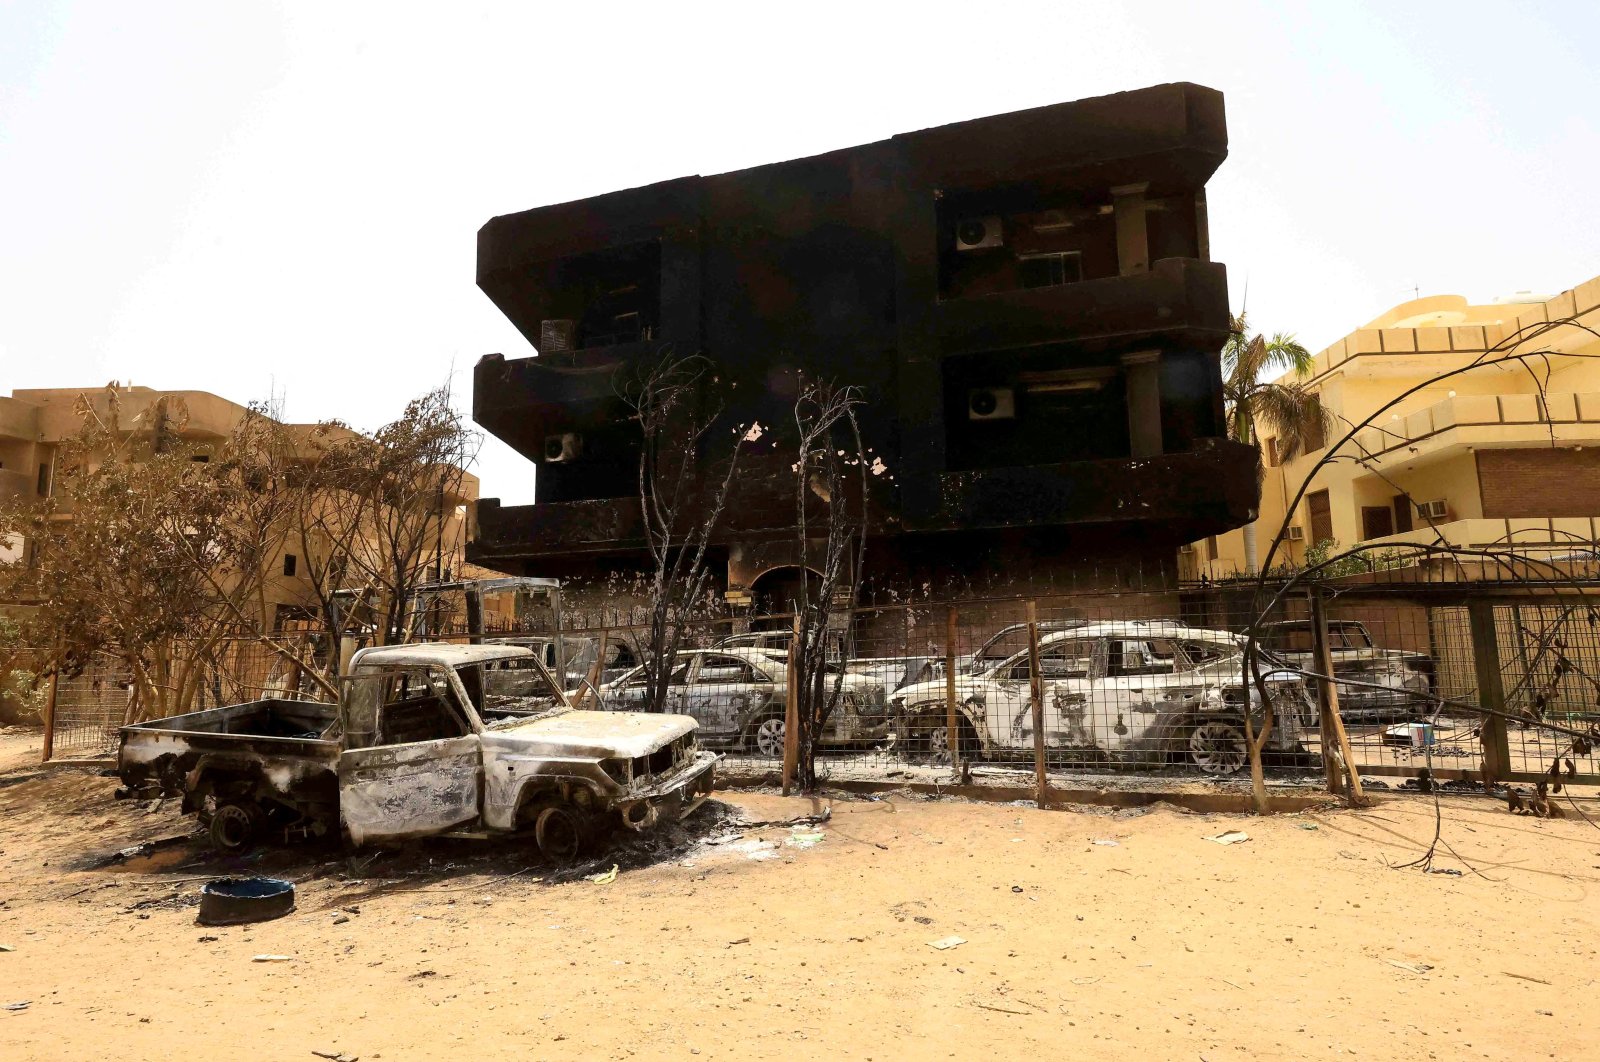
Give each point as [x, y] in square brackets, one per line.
[1026, 301]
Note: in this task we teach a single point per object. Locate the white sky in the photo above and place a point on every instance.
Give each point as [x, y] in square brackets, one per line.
[247, 197]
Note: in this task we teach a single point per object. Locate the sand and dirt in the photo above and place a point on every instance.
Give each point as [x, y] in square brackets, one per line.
[810, 940]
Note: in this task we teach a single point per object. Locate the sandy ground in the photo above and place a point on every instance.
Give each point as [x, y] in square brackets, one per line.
[1302, 942]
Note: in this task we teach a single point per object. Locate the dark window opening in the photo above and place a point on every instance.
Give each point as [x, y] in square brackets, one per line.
[44, 481]
[613, 296]
[1377, 521]
[1402, 513]
[1012, 239]
[1012, 411]
[1320, 511]
[201, 458]
[1313, 434]
[1050, 270]
[289, 564]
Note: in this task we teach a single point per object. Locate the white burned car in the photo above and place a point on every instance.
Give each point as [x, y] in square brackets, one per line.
[1130, 692]
[738, 696]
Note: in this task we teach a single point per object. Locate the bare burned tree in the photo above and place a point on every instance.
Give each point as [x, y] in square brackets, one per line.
[675, 403]
[831, 470]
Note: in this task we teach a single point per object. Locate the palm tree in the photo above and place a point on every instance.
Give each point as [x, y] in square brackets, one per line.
[1291, 410]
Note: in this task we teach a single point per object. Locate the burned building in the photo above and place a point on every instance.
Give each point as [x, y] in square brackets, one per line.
[1026, 301]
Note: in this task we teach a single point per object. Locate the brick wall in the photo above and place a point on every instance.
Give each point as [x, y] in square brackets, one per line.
[1539, 483]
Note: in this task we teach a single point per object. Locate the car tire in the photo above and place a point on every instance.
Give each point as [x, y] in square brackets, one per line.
[935, 736]
[765, 737]
[561, 833]
[1217, 746]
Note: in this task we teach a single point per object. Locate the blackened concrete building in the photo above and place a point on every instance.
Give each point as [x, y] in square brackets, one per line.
[1027, 302]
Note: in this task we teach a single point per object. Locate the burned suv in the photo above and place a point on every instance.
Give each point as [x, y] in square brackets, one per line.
[1381, 685]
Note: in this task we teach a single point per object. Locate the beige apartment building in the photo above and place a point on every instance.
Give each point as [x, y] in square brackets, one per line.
[35, 423]
[1496, 455]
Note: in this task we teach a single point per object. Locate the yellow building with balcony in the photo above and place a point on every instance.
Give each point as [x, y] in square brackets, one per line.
[1496, 455]
[35, 423]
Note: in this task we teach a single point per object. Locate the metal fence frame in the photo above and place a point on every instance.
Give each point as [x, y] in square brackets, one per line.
[1489, 658]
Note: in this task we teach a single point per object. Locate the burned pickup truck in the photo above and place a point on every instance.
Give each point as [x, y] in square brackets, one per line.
[425, 740]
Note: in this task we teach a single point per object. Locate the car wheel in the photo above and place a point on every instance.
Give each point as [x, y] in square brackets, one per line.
[767, 737]
[1217, 746]
[938, 736]
[559, 832]
[233, 827]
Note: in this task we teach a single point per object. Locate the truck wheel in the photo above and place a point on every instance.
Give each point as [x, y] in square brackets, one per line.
[560, 834]
[233, 827]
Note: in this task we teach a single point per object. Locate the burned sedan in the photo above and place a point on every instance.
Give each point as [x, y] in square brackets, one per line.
[1126, 692]
[739, 697]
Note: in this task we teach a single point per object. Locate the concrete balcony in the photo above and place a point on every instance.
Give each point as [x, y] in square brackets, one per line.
[1197, 492]
[1553, 536]
[1506, 421]
[1177, 496]
[1177, 295]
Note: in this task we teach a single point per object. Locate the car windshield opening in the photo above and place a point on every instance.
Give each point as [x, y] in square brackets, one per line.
[512, 689]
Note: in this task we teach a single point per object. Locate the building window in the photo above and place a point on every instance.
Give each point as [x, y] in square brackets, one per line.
[1313, 436]
[1211, 548]
[1377, 521]
[1050, 270]
[1402, 513]
[289, 564]
[201, 458]
[44, 481]
[1320, 511]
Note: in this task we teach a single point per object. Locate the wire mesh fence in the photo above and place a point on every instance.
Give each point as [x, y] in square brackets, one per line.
[1466, 682]
[89, 706]
[88, 709]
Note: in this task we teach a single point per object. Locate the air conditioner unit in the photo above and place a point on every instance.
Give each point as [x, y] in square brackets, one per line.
[559, 449]
[1297, 533]
[991, 403]
[1187, 547]
[1433, 510]
[977, 234]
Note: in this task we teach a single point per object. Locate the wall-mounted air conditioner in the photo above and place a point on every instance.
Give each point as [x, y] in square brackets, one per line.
[991, 403]
[1297, 533]
[977, 234]
[1433, 510]
[559, 449]
[1187, 547]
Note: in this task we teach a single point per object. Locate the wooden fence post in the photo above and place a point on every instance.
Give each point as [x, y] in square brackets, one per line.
[1330, 698]
[50, 710]
[1491, 693]
[791, 710]
[1328, 744]
[951, 721]
[1036, 689]
[597, 672]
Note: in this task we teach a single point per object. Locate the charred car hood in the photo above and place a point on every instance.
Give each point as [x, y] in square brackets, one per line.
[601, 734]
